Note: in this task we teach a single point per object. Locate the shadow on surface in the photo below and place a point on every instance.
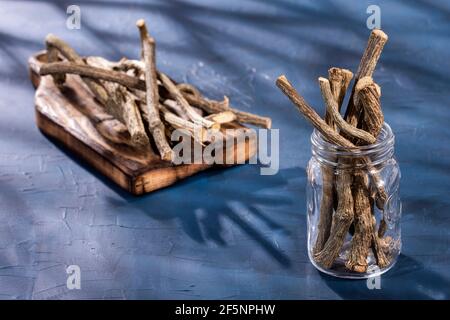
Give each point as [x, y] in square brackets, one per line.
[395, 284]
[201, 203]
[273, 41]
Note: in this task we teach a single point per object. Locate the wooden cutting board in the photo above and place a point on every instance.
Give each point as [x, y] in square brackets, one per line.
[73, 117]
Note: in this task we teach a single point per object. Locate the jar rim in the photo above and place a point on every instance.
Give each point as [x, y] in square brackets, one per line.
[385, 139]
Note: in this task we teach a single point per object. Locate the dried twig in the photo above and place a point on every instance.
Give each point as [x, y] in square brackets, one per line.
[344, 213]
[366, 67]
[189, 88]
[190, 93]
[362, 238]
[176, 108]
[332, 109]
[124, 108]
[132, 119]
[176, 94]
[129, 91]
[339, 81]
[367, 93]
[311, 115]
[197, 132]
[342, 220]
[156, 127]
[52, 56]
[222, 117]
[70, 54]
[212, 106]
[117, 104]
[131, 67]
[378, 246]
[58, 68]
[326, 208]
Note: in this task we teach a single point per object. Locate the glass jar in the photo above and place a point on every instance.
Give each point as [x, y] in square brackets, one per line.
[353, 207]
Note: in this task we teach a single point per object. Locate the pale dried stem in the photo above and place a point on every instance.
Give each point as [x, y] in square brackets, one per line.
[211, 106]
[69, 53]
[366, 67]
[378, 246]
[53, 56]
[176, 108]
[339, 82]
[133, 119]
[362, 238]
[328, 174]
[106, 92]
[156, 127]
[332, 109]
[311, 115]
[326, 208]
[341, 222]
[190, 93]
[128, 64]
[124, 107]
[92, 72]
[176, 94]
[197, 132]
[222, 117]
[189, 88]
[367, 93]
[344, 213]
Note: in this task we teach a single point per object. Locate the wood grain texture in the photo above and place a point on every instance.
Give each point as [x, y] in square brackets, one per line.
[73, 117]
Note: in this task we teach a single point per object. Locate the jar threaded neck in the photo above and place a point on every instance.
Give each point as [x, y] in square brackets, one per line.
[328, 153]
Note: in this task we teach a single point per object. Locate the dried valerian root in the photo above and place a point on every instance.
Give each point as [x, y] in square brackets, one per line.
[339, 81]
[155, 125]
[142, 99]
[350, 206]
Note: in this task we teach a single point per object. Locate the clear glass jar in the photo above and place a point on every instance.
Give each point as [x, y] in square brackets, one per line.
[353, 207]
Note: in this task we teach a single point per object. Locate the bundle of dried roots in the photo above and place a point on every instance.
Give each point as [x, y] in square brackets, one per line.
[147, 101]
[347, 204]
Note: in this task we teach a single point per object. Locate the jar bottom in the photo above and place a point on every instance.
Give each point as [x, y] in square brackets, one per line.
[339, 270]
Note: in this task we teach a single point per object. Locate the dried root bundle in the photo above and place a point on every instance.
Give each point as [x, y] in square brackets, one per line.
[147, 101]
[346, 196]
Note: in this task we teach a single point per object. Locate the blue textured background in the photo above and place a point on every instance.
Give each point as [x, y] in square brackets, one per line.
[222, 234]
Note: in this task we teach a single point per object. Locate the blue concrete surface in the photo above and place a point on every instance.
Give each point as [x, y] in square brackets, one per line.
[229, 234]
